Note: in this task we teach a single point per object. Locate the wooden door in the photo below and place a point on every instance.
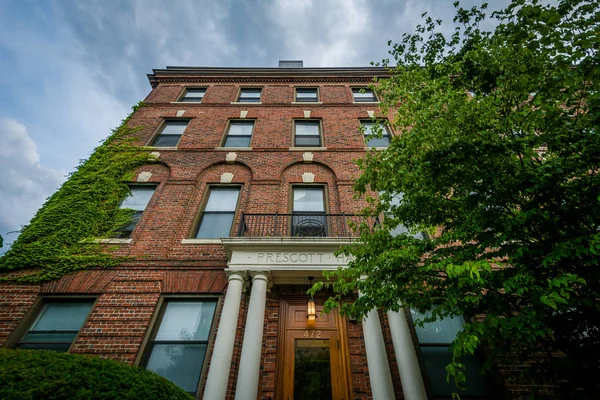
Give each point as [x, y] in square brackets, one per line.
[314, 359]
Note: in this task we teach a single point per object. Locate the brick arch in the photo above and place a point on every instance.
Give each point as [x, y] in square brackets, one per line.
[323, 175]
[211, 175]
[160, 172]
[294, 164]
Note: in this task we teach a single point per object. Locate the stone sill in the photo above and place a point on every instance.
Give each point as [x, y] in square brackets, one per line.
[307, 148]
[234, 149]
[241, 103]
[200, 241]
[113, 241]
[307, 102]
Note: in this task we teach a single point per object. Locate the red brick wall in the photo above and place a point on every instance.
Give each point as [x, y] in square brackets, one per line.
[161, 265]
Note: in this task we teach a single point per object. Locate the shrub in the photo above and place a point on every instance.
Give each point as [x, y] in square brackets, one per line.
[42, 374]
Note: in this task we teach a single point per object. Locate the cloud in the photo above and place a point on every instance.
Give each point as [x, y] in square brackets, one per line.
[24, 183]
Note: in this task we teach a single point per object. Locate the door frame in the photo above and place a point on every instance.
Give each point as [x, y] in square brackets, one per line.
[344, 385]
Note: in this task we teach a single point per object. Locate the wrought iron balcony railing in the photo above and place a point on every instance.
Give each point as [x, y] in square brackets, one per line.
[302, 224]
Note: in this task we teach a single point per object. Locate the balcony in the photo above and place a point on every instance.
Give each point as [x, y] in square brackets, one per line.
[302, 224]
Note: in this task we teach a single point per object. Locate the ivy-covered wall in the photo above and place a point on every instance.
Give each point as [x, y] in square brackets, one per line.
[60, 237]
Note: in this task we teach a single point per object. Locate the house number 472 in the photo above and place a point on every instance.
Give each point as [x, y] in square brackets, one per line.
[312, 334]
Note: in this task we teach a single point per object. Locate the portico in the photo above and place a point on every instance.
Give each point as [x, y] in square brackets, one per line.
[265, 262]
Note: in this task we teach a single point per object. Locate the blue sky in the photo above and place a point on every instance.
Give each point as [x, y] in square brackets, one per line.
[70, 69]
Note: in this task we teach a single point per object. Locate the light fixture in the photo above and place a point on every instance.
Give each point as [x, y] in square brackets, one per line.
[311, 312]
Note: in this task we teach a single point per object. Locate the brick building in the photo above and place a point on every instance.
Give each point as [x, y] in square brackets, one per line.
[251, 197]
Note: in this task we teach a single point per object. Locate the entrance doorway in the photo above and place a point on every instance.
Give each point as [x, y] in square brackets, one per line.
[313, 361]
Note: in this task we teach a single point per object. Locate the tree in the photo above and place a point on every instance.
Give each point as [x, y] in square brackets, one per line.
[498, 152]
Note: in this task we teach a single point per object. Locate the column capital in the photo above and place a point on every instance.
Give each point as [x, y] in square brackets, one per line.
[261, 275]
[236, 275]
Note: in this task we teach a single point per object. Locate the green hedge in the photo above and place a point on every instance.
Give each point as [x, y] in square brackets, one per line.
[42, 374]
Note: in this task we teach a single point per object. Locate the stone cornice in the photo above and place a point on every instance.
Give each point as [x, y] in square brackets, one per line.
[177, 75]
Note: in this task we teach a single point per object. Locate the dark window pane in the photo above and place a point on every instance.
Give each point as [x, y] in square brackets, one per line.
[436, 359]
[314, 141]
[46, 336]
[179, 363]
[237, 141]
[312, 370]
[186, 320]
[166, 140]
[62, 316]
[58, 347]
[215, 225]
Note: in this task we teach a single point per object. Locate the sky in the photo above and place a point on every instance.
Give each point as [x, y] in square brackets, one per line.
[70, 70]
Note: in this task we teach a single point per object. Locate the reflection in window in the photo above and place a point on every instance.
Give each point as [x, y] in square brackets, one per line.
[435, 339]
[217, 218]
[170, 134]
[363, 95]
[307, 133]
[179, 346]
[239, 134]
[249, 95]
[193, 95]
[57, 326]
[307, 95]
[369, 131]
[308, 213]
[400, 228]
[312, 370]
[138, 199]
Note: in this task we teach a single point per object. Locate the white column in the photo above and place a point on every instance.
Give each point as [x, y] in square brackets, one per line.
[406, 357]
[379, 369]
[249, 370]
[220, 363]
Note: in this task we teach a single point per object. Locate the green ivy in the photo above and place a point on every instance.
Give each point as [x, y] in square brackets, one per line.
[59, 238]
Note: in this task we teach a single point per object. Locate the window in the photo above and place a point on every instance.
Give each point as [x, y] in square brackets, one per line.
[177, 349]
[307, 95]
[217, 218]
[400, 228]
[193, 95]
[307, 133]
[363, 95]
[239, 134]
[308, 211]
[369, 129]
[249, 95]
[170, 134]
[138, 199]
[434, 344]
[56, 326]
